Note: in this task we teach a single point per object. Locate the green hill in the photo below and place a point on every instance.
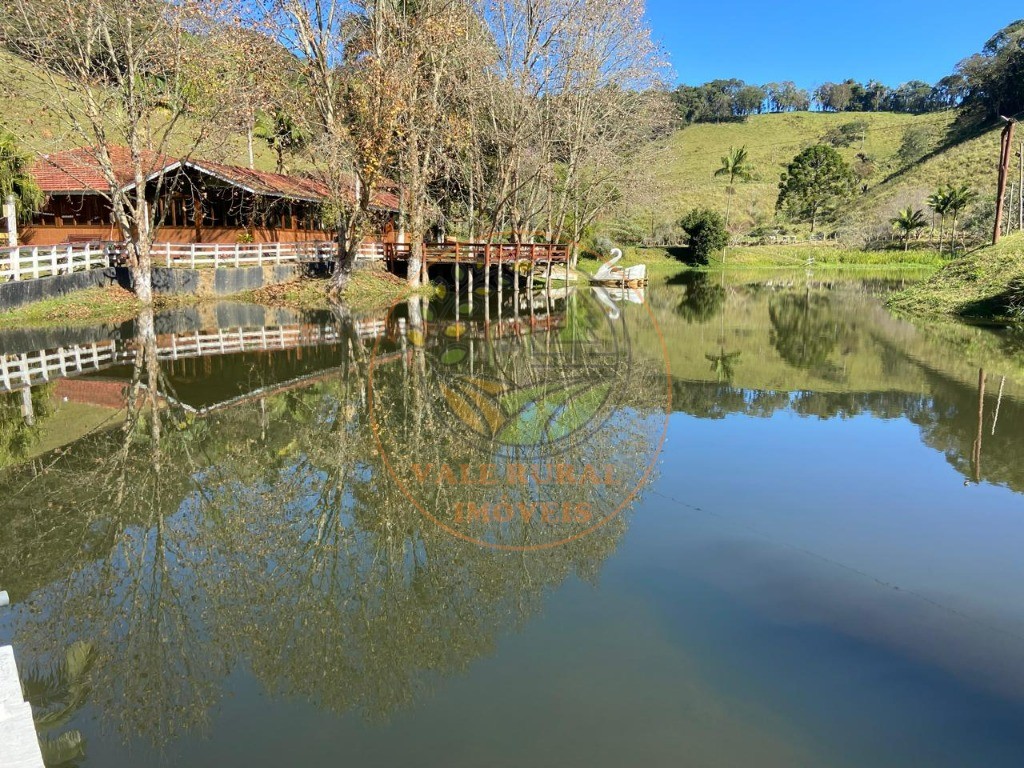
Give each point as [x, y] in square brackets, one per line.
[33, 114]
[685, 164]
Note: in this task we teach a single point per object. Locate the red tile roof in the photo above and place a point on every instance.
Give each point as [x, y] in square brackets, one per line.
[78, 171]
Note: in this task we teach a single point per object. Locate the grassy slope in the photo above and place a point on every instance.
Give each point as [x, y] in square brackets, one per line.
[688, 160]
[973, 286]
[34, 115]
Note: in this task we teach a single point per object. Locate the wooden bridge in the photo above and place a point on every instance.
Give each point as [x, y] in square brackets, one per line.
[485, 255]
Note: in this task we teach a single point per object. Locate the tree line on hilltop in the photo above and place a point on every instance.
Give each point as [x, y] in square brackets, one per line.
[983, 87]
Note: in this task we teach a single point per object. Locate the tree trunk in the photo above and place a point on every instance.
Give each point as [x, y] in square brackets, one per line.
[416, 247]
[142, 282]
[345, 255]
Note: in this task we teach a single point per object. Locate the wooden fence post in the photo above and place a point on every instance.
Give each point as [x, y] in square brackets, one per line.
[10, 213]
[16, 264]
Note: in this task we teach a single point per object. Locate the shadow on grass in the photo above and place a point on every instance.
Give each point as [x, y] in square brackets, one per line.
[684, 255]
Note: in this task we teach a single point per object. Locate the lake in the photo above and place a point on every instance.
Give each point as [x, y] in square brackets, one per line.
[727, 521]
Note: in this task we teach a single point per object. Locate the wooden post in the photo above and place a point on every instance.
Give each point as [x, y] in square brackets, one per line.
[981, 419]
[1009, 212]
[515, 288]
[487, 269]
[16, 263]
[1020, 191]
[469, 279]
[1004, 172]
[10, 213]
[501, 284]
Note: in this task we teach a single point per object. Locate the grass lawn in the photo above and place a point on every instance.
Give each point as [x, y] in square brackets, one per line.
[987, 284]
[662, 263]
[92, 305]
[824, 255]
[369, 289]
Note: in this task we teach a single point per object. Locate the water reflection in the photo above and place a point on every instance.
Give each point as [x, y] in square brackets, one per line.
[262, 528]
[225, 506]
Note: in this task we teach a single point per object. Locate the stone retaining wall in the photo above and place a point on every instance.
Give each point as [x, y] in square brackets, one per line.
[219, 281]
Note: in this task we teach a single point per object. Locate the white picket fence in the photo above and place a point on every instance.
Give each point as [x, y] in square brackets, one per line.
[32, 262]
[239, 254]
[227, 341]
[254, 254]
[32, 368]
[18, 371]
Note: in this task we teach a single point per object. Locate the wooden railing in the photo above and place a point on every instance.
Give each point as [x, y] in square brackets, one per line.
[481, 253]
[35, 261]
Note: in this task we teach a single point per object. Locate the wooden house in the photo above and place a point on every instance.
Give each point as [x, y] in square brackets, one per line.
[199, 201]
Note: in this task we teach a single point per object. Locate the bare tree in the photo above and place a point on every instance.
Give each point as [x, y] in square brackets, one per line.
[440, 42]
[131, 73]
[570, 103]
[352, 86]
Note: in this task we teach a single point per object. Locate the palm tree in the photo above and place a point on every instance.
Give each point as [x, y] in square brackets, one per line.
[15, 178]
[908, 221]
[56, 693]
[735, 165]
[723, 365]
[959, 198]
[938, 201]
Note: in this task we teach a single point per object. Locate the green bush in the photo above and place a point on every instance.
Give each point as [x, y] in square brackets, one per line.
[707, 232]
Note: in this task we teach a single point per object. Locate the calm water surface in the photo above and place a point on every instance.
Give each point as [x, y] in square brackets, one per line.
[787, 531]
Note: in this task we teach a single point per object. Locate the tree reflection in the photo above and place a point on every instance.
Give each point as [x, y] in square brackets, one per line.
[804, 332]
[723, 364]
[271, 534]
[21, 414]
[703, 299]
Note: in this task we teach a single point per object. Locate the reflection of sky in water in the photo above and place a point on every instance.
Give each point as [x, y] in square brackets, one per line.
[807, 581]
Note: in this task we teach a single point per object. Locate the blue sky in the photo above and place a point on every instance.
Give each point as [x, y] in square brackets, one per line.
[814, 42]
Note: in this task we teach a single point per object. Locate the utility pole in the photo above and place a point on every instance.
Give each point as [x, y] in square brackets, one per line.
[1006, 145]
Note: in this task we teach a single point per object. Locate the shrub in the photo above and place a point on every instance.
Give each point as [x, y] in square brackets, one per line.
[846, 135]
[602, 246]
[707, 232]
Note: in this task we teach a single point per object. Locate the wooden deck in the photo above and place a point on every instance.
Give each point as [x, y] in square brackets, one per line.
[19, 745]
